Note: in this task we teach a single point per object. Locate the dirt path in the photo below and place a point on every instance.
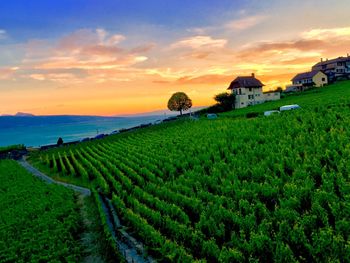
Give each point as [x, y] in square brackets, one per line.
[132, 250]
[37, 173]
[88, 238]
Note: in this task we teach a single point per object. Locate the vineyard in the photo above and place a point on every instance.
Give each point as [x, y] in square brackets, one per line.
[38, 222]
[229, 190]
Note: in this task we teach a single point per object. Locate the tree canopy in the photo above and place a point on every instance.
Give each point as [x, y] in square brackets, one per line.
[225, 100]
[59, 141]
[179, 101]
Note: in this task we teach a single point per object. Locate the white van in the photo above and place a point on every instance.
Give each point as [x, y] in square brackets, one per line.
[290, 107]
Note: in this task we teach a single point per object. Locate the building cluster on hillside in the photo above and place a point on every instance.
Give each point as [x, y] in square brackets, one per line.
[248, 91]
[321, 74]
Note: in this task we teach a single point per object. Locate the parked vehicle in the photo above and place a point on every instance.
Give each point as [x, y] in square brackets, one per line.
[211, 116]
[290, 107]
[115, 132]
[271, 112]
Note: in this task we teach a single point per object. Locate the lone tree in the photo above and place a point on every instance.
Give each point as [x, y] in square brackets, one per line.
[179, 101]
[59, 141]
[225, 101]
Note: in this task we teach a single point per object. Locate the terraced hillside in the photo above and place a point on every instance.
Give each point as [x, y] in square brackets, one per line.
[232, 189]
[38, 222]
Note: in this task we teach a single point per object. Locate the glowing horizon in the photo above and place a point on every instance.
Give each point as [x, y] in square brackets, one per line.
[115, 58]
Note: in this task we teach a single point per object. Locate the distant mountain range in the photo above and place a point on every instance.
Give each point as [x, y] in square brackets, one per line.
[19, 114]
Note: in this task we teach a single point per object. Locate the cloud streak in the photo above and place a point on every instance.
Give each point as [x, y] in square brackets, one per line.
[245, 22]
[200, 42]
[327, 33]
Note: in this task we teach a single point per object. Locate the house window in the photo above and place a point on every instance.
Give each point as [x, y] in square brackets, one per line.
[240, 91]
[250, 97]
[242, 103]
[323, 79]
[250, 89]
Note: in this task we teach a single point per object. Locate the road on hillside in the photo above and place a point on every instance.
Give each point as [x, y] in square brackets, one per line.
[37, 173]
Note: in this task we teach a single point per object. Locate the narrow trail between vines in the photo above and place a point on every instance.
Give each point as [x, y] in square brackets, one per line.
[132, 250]
[81, 190]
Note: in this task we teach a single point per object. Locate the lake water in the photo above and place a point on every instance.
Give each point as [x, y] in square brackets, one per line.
[42, 130]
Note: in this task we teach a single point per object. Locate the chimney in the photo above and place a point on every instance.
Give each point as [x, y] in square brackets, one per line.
[321, 59]
[253, 75]
[348, 54]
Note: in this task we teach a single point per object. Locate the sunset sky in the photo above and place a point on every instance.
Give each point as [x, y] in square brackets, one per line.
[108, 57]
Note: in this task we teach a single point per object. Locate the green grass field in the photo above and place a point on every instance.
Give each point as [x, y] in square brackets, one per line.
[38, 222]
[268, 189]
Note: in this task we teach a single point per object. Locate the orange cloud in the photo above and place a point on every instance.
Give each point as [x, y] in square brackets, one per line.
[198, 54]
[6, 73]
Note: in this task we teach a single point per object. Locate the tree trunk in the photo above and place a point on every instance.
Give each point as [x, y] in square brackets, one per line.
[181, 112]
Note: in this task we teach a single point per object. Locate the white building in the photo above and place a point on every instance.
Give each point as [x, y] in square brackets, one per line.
[248, 91]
